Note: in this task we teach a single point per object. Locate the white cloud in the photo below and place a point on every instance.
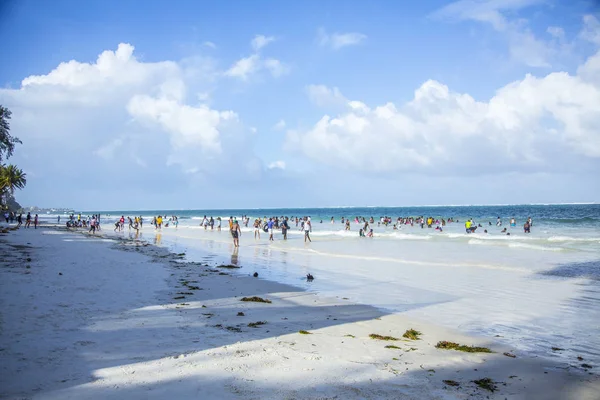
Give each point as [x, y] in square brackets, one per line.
[338, 40]
[591, 29]
[523, 46]
[261, 41]
[210, 44]
[323, 96]
[280, 125]
[244, 67]
[98, 123]
[277, 165]
[556, 32]
[544, 123]
[276, 67]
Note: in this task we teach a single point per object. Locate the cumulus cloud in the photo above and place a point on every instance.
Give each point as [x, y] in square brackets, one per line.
[247, 67]
[277, 165]
[261, 41]
[280, 125]
[338, 40]
[533, 124]
[591, 29]
[119, 120]
[524, 47]
[325, 97]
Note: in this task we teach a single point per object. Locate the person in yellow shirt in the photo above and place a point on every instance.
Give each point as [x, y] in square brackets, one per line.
[159, 222]
[468, 226]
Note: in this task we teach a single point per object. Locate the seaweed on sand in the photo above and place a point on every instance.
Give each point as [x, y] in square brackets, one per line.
[461, 347]
[255, 299]
[228, 266]
[304, 332]
[256, 324]
[391, 346]
[412, 334]
[379, 337]
[450, 382]
[486, 383]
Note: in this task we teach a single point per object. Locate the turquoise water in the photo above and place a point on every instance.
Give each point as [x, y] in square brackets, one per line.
[569, 214]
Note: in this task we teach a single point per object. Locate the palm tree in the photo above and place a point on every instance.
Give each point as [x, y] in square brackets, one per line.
[11, 178]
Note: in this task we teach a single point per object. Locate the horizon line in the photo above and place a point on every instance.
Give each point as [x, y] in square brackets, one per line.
[337, 207]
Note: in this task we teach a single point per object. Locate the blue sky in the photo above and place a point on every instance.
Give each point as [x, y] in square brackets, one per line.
[250, 104]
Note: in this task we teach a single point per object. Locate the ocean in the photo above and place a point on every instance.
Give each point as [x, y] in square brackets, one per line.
[533, 291]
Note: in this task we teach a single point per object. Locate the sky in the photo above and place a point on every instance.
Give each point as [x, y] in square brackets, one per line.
[232, 104]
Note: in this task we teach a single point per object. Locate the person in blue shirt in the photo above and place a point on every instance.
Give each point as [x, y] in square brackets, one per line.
[270, 227]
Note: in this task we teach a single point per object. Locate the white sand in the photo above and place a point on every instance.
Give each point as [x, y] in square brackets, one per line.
[97, 319]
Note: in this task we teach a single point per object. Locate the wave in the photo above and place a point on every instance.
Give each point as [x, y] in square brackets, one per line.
[405, 236]
[535, 247]
[518, 245]
[572, 239]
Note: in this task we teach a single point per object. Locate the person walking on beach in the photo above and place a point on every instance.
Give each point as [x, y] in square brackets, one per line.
[307, 228]
[236, 232]
[270, 227]
[19, 220]
[256, 228]
[284, 228]
[93, 225]
[28, 220]
[35, 221]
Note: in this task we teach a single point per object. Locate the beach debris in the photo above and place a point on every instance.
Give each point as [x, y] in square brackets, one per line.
[391, 346]
[178, 297]
[380, 337]
[255, 299]
[304, 332]
[60, 273]
[256, 324]
[450, 382]
[194, 287]
[240, 314]
[486, 383]
[28, 259]
[255, 274]
[233, 329]
[309, 277]
[507, 354]
[223, 273]
[557, 349]
[461, 347]
[186, 293]
[579, 358]
[412, 334]
[352, 336]
[228, 266]
[586, 366]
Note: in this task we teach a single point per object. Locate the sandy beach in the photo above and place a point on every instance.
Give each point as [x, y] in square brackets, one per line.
[94, 318]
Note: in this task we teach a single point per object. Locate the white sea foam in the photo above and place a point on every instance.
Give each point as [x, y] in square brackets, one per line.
[535, 247]
[406, 236]
[572, 239]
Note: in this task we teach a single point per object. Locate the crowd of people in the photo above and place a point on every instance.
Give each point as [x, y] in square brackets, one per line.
[11, 217]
